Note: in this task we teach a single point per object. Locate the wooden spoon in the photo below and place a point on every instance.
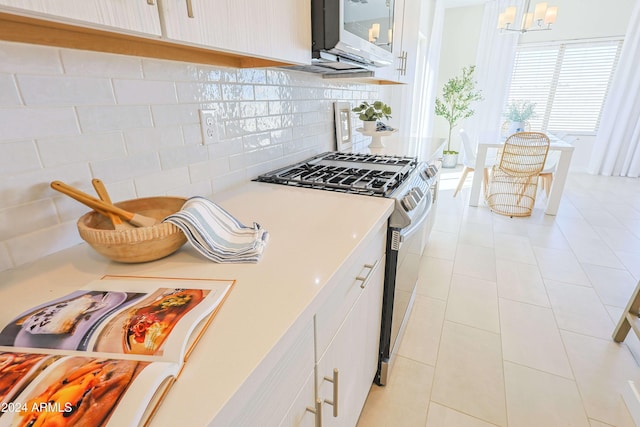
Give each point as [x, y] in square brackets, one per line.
[117, 222]
[92, 202]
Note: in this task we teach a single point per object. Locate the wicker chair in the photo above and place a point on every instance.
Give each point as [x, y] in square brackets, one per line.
[513, 182]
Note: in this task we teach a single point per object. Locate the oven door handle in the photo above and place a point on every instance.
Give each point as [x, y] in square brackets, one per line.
[405, 233]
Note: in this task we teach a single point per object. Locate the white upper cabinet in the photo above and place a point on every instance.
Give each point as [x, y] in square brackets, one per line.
[406, 23]
[273, 29]
[137, 16]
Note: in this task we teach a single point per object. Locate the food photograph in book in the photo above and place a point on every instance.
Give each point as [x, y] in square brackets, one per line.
[105, 321]
[74, 390]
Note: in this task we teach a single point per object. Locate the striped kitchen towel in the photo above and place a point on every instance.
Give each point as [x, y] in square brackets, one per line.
[216, 234]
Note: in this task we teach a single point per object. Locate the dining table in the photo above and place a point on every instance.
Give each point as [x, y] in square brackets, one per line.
[559, 176]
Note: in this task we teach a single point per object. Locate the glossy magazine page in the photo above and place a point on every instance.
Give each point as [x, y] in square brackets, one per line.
[150, 317]
[104, 355]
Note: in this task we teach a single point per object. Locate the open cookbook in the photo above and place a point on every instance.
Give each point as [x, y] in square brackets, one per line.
[104, 355]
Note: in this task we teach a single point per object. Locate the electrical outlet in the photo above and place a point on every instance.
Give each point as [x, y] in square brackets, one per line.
[210, 125]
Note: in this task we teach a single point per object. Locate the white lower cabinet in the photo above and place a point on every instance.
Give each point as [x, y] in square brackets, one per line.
[322, 370]
[346, 370]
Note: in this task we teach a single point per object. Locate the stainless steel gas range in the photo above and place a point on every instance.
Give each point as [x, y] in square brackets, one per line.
[414, 187]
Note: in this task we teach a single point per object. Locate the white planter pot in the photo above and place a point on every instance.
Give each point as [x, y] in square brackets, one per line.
[449, 160]
[369, 126]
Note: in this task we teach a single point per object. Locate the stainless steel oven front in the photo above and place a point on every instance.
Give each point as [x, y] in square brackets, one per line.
[405, 247]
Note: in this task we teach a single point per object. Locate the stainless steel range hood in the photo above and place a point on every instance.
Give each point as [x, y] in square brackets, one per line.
[330, 65]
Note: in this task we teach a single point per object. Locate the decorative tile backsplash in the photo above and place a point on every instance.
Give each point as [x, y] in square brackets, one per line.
[74, 115]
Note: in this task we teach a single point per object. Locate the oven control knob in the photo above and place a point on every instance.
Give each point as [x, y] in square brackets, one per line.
[408, 203]
[424, 174]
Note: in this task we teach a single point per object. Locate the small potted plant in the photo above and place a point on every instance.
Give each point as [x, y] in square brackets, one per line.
[457, 96]
[518, 112]
[371, 113]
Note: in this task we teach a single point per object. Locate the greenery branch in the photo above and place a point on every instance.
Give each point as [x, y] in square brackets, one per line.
[371, 112]
[457, 96]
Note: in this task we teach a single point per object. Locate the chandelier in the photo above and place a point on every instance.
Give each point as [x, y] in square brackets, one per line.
[539, 20]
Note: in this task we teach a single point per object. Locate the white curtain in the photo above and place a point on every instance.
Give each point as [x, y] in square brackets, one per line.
[494, 65]
[431, 70]
[617, 148]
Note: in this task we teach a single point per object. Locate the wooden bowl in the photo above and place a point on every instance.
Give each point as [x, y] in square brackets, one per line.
[136, 244]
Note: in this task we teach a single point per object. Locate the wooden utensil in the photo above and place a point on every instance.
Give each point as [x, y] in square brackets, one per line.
[92, 202]
[117, 222]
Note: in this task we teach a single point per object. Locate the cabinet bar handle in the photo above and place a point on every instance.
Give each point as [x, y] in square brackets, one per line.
[317, 411]
[190, 9]
[365, 279]
[334, 402]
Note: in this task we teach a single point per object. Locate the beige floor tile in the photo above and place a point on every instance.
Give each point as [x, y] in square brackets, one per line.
[403, 401]
[578, 309]
[560, 265]
[514, 248]
[421, 338]
[477, 235]
[630, 261]
[441, 416]
[614, 286]
[521, 282]
[601, 368]
[547, 236]
[530, 337]
[468, 375]
[536, 398]
[475, 261]
[514, 226]
[434, 277]
[473, 302]
[596, 423]
[441, 244]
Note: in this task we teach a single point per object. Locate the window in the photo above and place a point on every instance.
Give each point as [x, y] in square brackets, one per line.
[567, 81]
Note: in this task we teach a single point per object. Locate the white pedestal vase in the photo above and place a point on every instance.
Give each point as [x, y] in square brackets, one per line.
[515, 127]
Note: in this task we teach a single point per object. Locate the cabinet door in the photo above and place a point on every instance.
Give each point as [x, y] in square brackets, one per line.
[137, 16]
[274, 29]
[298, 415]
[352, 357]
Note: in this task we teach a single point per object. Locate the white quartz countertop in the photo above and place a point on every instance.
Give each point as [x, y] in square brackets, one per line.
[312, 233]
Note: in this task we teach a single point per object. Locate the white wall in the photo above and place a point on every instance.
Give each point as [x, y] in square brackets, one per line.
[73, 115]
[577, 19]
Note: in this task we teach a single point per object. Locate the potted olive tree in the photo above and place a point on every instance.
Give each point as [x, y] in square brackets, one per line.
[457, 96]
[518, 112]
[371, 113]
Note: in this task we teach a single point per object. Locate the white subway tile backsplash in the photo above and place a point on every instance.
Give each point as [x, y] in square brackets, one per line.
[80, 148]
[133, 122]
[110, 118]
[116, 169]
[31, 59]
[170, 115]
[26, 123]
[5, 258]
[23, 219]
[152, 139]
[169, 70]
[197, 91]
[17, 157]
[162, 183]
[9, 96]
[95, 64]
[137, 92]
[182, 156]
[39, 243]
[60, 90]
